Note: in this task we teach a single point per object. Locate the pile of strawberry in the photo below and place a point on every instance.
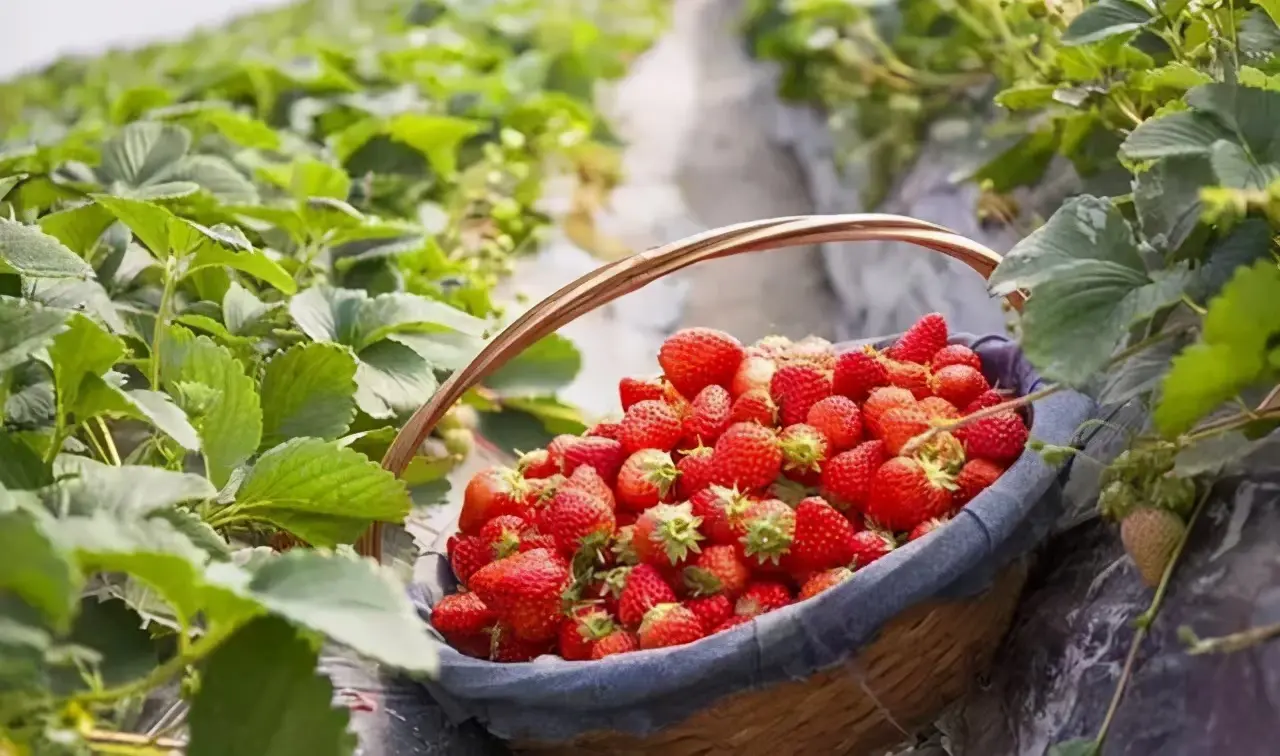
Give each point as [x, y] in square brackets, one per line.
[742, 480]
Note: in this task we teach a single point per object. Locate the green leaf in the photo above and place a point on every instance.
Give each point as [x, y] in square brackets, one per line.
[26, 328]
[29, 251]
[1140, 373]
[85, 295]
[1167, 199]
[436, 137]
[114, 632]
[1248, 242]
[83, 352]
[544, 368]
[214, 174]
[1077, 747]
[1181, 133]
[142, 150]
[260, 696]
[230, 426]
[1026, 96]
[7, 183]
[443, 350]
[237, 127]
[148, 221]
[305, 178]
[1179, 76]
[35, 568]
[1232, 354]
[386, 314]
[320, 492]
[1248, 114]
[224, 245]
[124, 492]
[1237, 168]
[308, 390]
[21, 469]
[1271, 8]
[328, 314]
[391, 380]
[159, 410]
[241, 309]
[78, 227]
[354, 602]
[1105, 19]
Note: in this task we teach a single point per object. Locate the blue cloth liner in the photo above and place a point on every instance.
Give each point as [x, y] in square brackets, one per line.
[553, 700]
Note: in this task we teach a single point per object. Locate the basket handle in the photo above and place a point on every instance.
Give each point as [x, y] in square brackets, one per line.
[613, 280]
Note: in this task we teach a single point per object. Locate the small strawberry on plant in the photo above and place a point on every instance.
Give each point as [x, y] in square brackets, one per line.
[1151, 536]
[669, 625]
[694, 358]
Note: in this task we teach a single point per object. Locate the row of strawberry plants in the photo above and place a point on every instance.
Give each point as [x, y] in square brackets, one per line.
[229, 269]
[1157, 284]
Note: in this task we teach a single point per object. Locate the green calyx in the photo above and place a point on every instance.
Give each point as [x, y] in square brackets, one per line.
[768, 538]
[937, 474]
[677, 530]
[702, 582]
[506, 545]
[803, 451]
[661, 472]
[595, 625]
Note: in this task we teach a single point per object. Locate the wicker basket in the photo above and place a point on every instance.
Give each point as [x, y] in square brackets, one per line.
[921, 661]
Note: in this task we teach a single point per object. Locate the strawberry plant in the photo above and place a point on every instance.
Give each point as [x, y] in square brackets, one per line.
[229, 268]
[1156, 285]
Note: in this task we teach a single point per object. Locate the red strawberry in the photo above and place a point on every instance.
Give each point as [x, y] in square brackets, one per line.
[694, 358]
[747, 456]
[754, 373]
[999, 438]
[984, 400]
[502, 535]
[937, 408]
[617, 642]
[666, 534]
[537, 464]
[922, 340]
[804, 451]
[555, 449]
[711, 611]
[770, 528]
[723, 511]
[651, 424]
[910, 376]
[647, 477]
[576, 519]
[846, 478]
[900, 425]
[762, 596]
[718, 569]
[669, 625]
[974, 478]
[797, 387]
[461, 614]
[645, 588]
[466, 555]
[927, 527]
[507, 646]
[492, 492]
[839, 419]
[604, 454]
[857, 373]
[581, 630]
[606, 430]
[955, 354]
[823, 538]
[871, 545]
[823, 580]
[755, 406]
[587, 480]
[958, 384]
[708, 415]
[881, 401]
[732, 622]
[906, 492]
[697, 471]
[524, 590]
[635, 390]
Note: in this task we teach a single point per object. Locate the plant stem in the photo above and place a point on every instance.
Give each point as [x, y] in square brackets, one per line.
[110, 442]
[1235, 641]
[161, 674]
[162, 314]
[107, 741]
[911, 446]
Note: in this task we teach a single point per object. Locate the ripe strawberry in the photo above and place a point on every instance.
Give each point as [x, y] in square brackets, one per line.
[804, 451]
[754, 373]
[581, 630]
[645, 588]
[666, 534]
[711, 611]
[492, 492]
[647, 477]
[651, 424]
[669, 625]
[755, 406]
[697, 471]
[466, 555]
[839, 419]
[901, 424]
[937, 408]
[762, 596]
[821, 581]
[955, 354]
[723, 511]
[461, 614]
[617, 642]
[857, 373]
[507, 646]
[587, 480]
[999, 438]
[555, 449]
[606, 429]
[910, 376]
[927, 527]
[524, 591]
[1150, 536]
[770, 529]
[708, 415]
[537, 464]
[732, 622]
[846, 478]
[823, 538]
[974, 478]
[881, 401]
[576, 519]
[871, 545]
[718, 569]
[797, 387]
[984, 400]
[906, 492]
[958, 384]
[747, 456]
[635, 390]
[502, 535]
[925, 338]
[694, 358]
